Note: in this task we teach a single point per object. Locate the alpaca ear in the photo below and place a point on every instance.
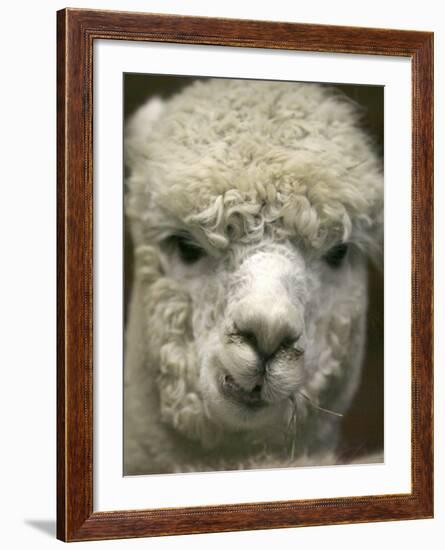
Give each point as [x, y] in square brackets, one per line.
[139, 128]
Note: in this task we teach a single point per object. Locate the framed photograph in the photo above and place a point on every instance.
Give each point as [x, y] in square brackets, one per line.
[245, 228]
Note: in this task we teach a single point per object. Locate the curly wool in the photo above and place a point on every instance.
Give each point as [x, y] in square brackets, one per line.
[171, 340]
[299, 159]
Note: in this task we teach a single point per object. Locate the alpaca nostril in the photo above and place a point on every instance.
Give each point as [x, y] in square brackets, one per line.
[267, 330]
[290, 342]
[248, 337]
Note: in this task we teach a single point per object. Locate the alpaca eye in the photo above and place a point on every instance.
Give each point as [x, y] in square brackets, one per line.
[188, 251]
[335, 256]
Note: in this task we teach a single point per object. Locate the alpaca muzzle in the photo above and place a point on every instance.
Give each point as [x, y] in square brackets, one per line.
[264, 334]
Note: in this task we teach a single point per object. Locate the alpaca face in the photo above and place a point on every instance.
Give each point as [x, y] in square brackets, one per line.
[253, 207]
[270, 324]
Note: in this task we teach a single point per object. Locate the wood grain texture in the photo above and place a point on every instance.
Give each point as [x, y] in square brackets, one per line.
[76, 32]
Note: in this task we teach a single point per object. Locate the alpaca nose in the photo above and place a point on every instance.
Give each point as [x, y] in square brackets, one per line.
[267, 324]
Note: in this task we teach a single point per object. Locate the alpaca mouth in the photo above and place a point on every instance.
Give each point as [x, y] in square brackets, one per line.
[251, 399]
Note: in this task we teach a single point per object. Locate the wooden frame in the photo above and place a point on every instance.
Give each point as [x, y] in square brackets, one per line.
[77, 30]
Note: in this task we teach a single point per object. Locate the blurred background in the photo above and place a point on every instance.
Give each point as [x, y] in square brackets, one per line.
[363, 430]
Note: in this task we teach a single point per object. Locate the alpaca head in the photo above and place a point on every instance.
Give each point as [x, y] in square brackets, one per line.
[253, 207]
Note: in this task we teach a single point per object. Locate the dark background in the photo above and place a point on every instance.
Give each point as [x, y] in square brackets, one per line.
[363, 425]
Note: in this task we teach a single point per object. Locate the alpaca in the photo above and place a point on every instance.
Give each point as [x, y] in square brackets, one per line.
[254, 207]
